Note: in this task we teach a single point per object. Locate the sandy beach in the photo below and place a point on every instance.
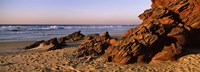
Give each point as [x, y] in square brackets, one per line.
[14, 58]
[100, 36]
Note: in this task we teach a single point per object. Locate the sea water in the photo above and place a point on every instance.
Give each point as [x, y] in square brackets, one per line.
[45, 32]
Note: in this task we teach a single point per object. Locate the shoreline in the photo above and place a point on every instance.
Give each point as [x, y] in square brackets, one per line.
[14, 47]
[64, 60]
[116, 35]
[68, 24]
[7, 48]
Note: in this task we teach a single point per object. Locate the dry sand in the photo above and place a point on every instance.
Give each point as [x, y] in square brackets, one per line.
[13, 59]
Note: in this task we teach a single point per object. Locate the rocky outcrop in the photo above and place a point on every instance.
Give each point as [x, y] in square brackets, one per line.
[167, 28]
[188, 12]
[96, 46]
[55, 43]
[75, 36]
[144, 43]
[51, 44]
[91, 36]
[34, 45]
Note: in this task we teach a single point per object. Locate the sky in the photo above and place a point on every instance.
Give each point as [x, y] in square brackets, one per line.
[72, 11]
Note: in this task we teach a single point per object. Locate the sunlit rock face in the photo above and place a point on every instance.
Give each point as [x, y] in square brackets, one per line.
[167, 28]
[188, 12]
[95, 46]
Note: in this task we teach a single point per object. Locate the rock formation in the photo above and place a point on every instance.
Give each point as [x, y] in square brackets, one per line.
[75, 36]
[51, 44]
[91, 36]
[34, 45]
[188, 13]
[96, 46]
[55, 43]
[167, 28]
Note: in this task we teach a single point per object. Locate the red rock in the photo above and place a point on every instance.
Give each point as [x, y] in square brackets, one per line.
[96, 46]
[129, 31]
[113, 41]
[188, 12]
[167, 53]
[167, 28]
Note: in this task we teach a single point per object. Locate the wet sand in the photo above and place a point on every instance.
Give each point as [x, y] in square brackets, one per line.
[13, 58]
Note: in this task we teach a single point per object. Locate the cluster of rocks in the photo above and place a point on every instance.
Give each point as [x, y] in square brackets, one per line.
[75, 36]
[51, 44]
[188, 12]
[96, 46]
[58, 43]
[167, 29]
[79, 36]
[161, 36]
[91, 36]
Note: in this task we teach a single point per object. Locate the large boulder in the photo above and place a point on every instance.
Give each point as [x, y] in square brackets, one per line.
[96, 46]
[167, 28]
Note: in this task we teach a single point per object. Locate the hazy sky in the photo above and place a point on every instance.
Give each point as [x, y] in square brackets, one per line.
[72, 11]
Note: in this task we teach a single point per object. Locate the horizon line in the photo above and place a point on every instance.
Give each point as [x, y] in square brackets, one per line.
[68, 24]
[63, 24]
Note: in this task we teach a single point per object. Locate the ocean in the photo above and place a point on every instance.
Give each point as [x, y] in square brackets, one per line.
[44, 32]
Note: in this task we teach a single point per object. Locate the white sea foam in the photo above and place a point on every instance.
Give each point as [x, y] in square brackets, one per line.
[38, 32]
